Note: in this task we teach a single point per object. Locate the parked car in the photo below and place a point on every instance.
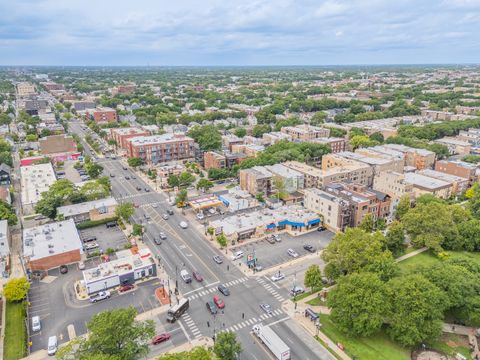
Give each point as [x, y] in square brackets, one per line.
[127, 177]
[200, 216]
[36, 325]
[90, 238]
[197, 276]
[63, 269]
[237, 255]
[170, 212]
[155, 205]
[112, 175]
[147, 189]
[322, 228]
[219, 302]
[278, 276]
[266, 307]
[218, 259]
[212, 211]
[165, 216]
[139, 188]
[212, 308]
[102, 295]
[156, 240]
[161, 338]
[297, 290]
[223, 289]
[309, 248]
[124, 167]
[292, 253]
[276, 237]
[125, 287]
[52, 345]
[91, 246]
[270, 239]
[258, 267]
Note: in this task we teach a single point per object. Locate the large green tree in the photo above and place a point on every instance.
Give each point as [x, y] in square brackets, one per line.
[8, 213]
[226, 346]
[395, 238]
[313, 277]
[134, 162]
[197, 353]
[354, 251]
[403, 206]
[16, 289]
[208, 137]
[416, 309]
[114, 334]
[358, 304]
[57, 195]
[125, 211]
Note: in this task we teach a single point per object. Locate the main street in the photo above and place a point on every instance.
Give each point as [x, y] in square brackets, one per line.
[189, 249]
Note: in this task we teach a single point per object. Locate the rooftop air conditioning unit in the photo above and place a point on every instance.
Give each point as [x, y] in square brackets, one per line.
[51, 251]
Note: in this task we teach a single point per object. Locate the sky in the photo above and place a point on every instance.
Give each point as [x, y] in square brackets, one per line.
[235, 32]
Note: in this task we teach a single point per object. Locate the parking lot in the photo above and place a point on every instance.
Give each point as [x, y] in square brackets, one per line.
[54, 301]
[106, 237]
[269, 255]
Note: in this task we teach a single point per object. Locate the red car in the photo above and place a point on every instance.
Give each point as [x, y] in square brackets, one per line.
[218, 301]
[160, 338]
[125, 287]
[197, 276]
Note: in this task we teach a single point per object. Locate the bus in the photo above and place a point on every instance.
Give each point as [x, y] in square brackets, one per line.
[176, 311]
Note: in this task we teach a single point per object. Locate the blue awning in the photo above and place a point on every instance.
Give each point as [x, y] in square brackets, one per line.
[312, 222]
[271, 226]
[291, 223]
[225, 201]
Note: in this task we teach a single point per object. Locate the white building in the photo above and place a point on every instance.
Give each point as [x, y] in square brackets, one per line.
[35, 179]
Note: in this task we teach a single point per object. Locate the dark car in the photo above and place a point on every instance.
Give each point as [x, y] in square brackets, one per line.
[124, 168]
[161, 338]
[112, 175]
[157, 241]
[211, 307]
[322, 228]
[223, 289]
[197, 276]
[147, 190]
[309, 248]
[139, 188]
[126, 287]
[127, 177]
[63, 269]
[170, 212]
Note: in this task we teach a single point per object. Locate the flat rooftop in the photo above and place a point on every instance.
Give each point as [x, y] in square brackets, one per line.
[35, 179]
[129, 131]
[443, 176]
[4, 247]
[284, 171]
[248, 221]
[205, 202]
[51, 239]
[363, 158]
[159, 139]
[425, 182]
[85, 207]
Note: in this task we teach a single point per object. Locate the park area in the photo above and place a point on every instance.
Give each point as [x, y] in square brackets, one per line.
[427, 258]
[15, 341]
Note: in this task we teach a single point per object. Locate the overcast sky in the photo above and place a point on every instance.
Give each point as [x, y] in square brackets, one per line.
[231, 32]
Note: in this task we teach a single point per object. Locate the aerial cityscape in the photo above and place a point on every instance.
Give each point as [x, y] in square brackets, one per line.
[249, 180]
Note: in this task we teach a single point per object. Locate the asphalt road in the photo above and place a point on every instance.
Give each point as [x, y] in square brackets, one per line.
[187, 249]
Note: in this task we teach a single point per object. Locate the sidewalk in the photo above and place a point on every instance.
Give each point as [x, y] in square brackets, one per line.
[470, 332]
[409, 255]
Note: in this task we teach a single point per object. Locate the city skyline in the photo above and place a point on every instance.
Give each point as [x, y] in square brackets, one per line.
[248, 33]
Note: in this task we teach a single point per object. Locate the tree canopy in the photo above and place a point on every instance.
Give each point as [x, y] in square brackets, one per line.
[16, 289]
[207, 137]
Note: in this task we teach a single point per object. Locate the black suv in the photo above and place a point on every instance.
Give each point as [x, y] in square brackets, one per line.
[211, 307]
[309, 248]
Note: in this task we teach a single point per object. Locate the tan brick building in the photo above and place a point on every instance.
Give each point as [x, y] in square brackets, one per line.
[57, 144]
[121, 135]
[334, 210]
[214, 160]
[305, 132]
[458, 168]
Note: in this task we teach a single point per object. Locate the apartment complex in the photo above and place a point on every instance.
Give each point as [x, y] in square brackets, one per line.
[354, 170]
[335, 211]
[417, 158]
[335, 144]
[427, 185]
[377, 163]
[459, 184]
[121, 135]
[393, 184]
[102, 114]
[25, 89]
[455, 145]
[157, 149]
[257, 180]
[292, 180]
[57, 144]
[305, 132]
[458, 168]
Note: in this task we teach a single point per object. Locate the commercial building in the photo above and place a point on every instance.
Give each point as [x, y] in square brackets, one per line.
[235, 199]
[35, 179]
[455, 146]
[35, 107]
[164, 171]
[102, 114]
[25, 89]
[121, 135]
[418, 158]
[334, 210]
[83, 105]
[294, 219]
[458, 168]
[161, 148]
[427, 185]
[459, 184]
[51, 245]
[256, 180]
[90, 210]
[204, 202]
[57, 144]
[127, 269]
[362, 201]
[378, 164]
[394, 184]
[305, 132]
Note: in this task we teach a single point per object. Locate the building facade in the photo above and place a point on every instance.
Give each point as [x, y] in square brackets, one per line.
[57, 144]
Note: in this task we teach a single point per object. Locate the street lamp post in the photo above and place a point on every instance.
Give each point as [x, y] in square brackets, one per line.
[294, 289]
[176, 280]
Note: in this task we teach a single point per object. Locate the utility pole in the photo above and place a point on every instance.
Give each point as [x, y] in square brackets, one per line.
[176, 280]
[294, 289]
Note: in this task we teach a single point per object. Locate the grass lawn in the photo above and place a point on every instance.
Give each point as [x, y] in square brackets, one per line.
[428, 258]
[376, 347]
[317, 302]
[452, 344]
[15, 332]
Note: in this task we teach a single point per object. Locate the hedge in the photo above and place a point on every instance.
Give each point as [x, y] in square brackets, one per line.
[91, 223]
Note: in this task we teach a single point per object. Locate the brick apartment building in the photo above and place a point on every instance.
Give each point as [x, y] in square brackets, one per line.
[157, 149]
[215, 160]
[305, 132]
[121, 135]
[458, 168]
[102, 114]
[335, 144]
[57, 144]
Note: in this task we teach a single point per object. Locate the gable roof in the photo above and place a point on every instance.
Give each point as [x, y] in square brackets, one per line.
[6, 168]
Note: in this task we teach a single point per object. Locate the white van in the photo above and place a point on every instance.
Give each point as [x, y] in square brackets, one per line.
[52, 345]
[186, 276]
[36, 326]
[237, 255]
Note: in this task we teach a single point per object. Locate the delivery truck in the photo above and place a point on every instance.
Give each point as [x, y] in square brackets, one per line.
[272, 341]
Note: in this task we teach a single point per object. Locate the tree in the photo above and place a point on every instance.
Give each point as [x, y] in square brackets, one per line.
[395, 239]
[279, 186]
[204, 184]
[362, 141]
[181, 198]
[31, 137]
[137, 230]
[416, 309]
[197, 353]
[125, 211]
[240, 132]
[354, 251]
[8, 213]
[135, 162]
[226, 346]
[358, 304]
[367, 224]
[208, 137]
[93, 169]
[16, 289]
[94, 190]
[259, 130]
[173, 181]
[186, 179]
[114, 335]
[57, 195]
[378, 137]
[403, 206]
[469, 231]
[222, 240]
[313, 277]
